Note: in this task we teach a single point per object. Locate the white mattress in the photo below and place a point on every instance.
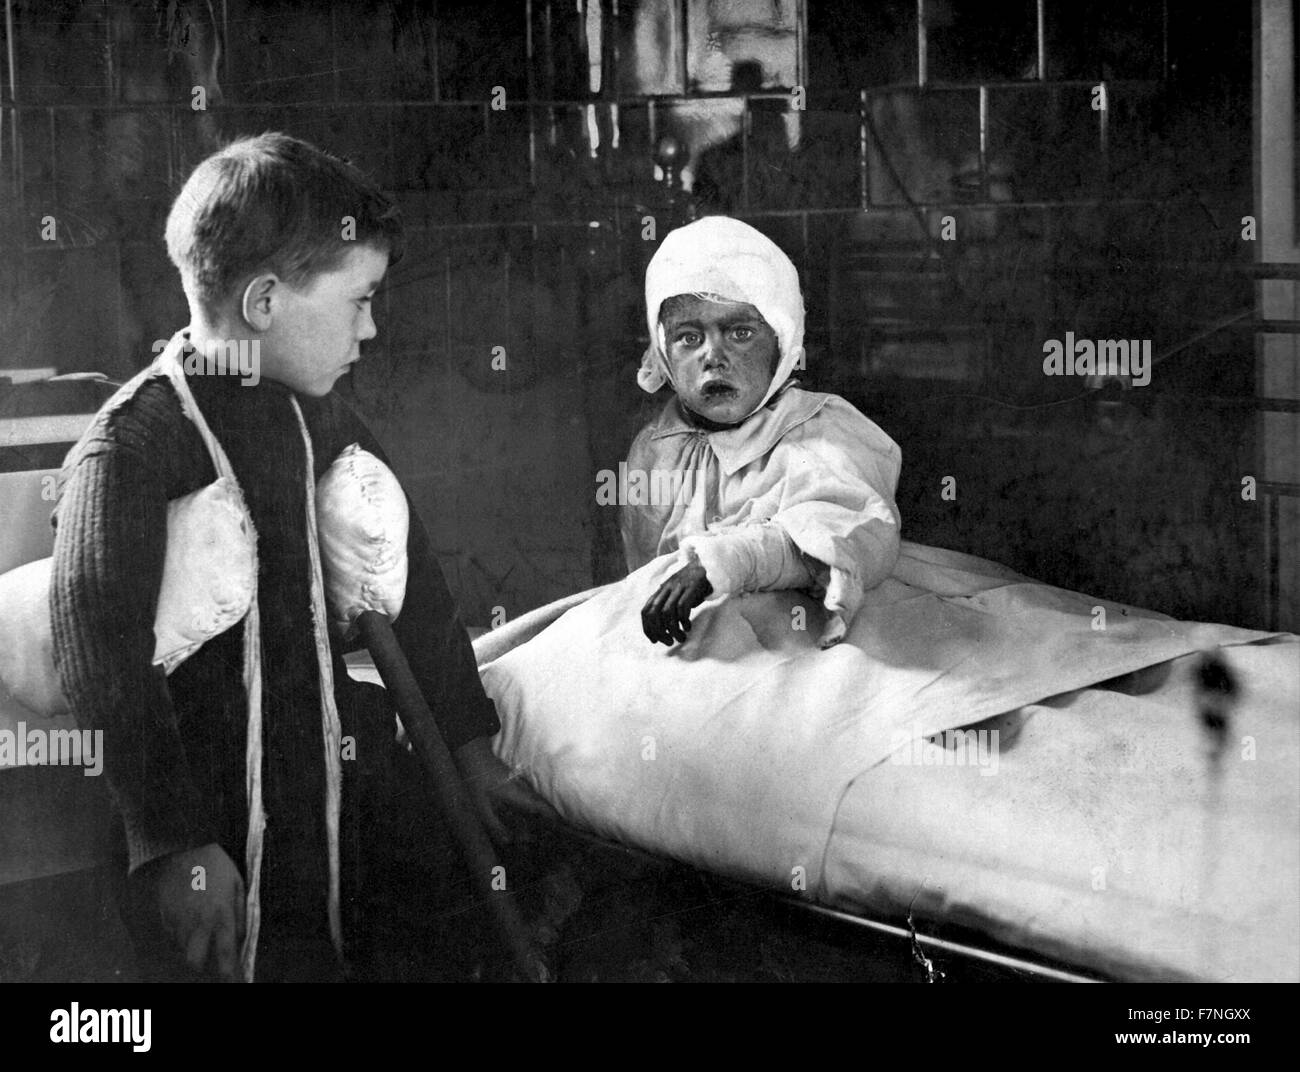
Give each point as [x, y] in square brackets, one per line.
[1101, 841]
[1105, 840]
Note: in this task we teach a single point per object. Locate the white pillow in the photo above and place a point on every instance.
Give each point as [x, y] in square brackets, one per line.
[362, 521]
[27, 641]
[209, 575]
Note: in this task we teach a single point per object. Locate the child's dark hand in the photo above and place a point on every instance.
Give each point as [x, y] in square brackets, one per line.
[666, 617]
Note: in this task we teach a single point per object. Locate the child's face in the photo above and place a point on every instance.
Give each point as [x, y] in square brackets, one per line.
[722, 358]
[316, 331]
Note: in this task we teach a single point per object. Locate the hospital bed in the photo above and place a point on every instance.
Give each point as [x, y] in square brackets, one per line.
[53, 819]
[1124, 835]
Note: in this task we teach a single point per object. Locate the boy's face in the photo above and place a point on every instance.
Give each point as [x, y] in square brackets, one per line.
[722, 357]
[316, 331]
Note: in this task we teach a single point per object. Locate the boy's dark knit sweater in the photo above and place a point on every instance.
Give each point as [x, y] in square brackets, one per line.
[174, 746]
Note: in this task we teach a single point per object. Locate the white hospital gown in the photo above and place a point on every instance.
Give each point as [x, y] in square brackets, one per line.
[801, 495]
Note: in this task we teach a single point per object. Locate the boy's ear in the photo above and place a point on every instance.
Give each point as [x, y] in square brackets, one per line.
[258, 303]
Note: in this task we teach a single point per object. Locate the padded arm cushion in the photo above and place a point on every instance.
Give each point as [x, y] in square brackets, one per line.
[207, 586]
[209, 573]
[362, 520]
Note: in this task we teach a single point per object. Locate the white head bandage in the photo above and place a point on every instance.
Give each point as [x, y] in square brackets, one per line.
[719, 255]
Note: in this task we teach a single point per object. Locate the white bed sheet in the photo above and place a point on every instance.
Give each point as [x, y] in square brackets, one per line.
[1105, 839]
[758, 757]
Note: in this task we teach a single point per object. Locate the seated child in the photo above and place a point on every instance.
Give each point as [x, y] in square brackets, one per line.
[781, 488]
[734, 743]
[259, 237]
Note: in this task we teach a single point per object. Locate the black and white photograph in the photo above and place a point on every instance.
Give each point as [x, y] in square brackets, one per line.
[649, 491]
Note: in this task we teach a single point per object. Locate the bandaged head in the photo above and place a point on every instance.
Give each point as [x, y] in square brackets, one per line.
[722, 256]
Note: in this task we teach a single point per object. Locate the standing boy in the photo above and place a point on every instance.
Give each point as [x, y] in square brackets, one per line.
[281, 247]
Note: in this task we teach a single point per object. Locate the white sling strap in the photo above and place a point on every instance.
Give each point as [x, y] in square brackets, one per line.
[329, 710]
[170, 365]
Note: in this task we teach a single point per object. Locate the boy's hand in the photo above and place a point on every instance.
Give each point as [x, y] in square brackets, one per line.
[206, 924]
[666, 617]
[491, 783]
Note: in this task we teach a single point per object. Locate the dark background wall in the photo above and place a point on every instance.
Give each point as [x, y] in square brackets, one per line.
[523, 237]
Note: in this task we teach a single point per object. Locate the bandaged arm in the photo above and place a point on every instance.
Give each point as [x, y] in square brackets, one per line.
[835, 534]
[765, 558]
[750, 558]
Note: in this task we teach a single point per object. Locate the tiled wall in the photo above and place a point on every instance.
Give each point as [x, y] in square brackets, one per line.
[1139, 505]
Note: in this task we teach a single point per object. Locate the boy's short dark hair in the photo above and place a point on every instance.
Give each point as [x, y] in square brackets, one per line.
[274, 203]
